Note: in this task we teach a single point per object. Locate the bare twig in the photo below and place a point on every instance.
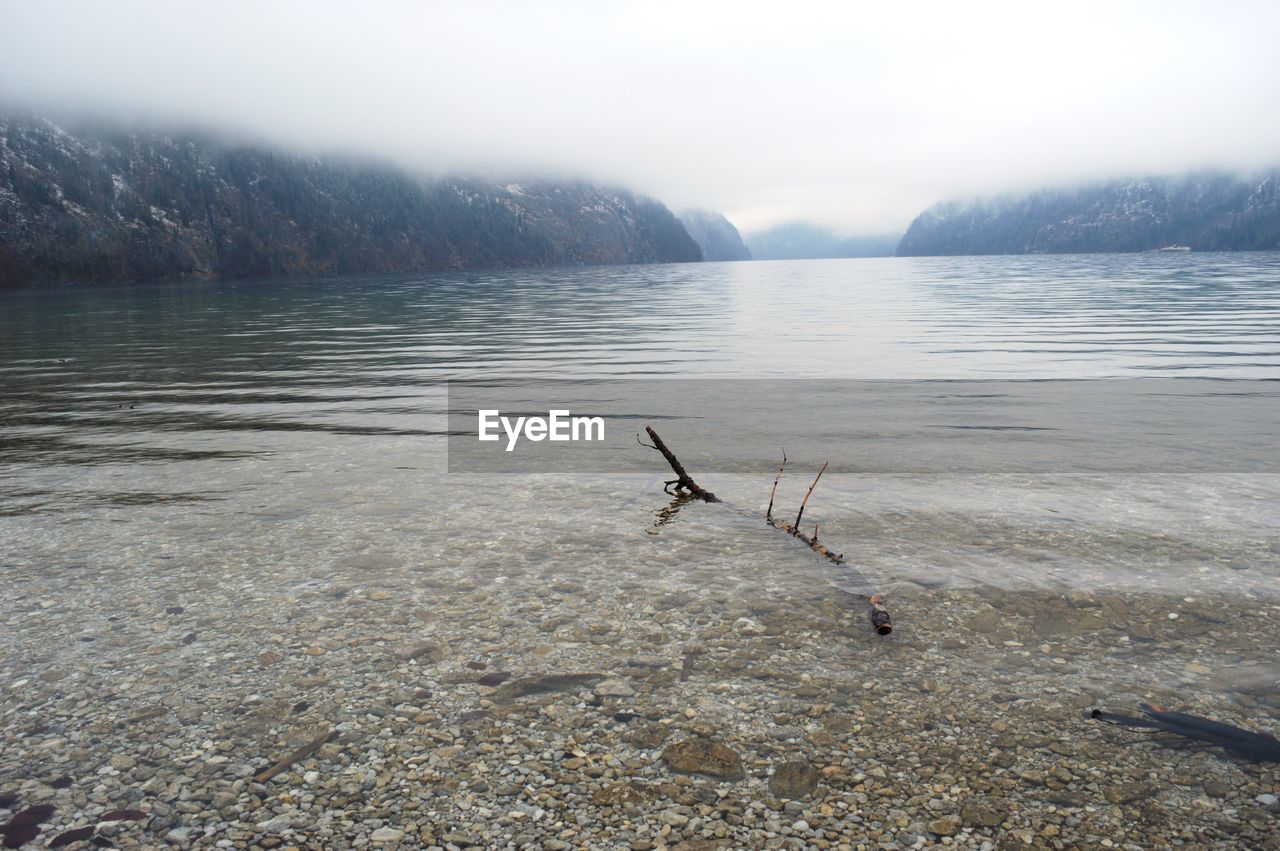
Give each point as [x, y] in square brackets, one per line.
[768, 512]
[805, 501]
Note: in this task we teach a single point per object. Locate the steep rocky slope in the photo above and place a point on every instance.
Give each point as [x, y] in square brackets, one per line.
[1207, 212]
[715, 235]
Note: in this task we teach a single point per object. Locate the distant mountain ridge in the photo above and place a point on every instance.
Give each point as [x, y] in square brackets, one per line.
[803, 241]
[1206, 211]
[715, 235]
[105, 204]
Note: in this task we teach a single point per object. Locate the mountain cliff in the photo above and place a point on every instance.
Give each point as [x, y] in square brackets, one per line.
[715, 235]
[1207, 211]
[105, 204]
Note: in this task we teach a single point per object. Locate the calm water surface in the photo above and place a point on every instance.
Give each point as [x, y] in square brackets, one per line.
[286, 429]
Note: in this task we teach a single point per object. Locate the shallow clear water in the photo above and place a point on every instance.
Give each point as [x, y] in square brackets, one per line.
[250, 447]
[227, 407]
[124, 404]
[268, 421]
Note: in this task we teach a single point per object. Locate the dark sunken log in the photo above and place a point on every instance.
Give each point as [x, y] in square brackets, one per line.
[1255, 747]
[879, 615]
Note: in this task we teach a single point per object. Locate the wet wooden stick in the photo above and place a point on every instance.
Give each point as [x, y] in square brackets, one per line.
[805, 501]
[821, 549]
[683, 480]
[879, 615]
[297, 756]
[768, 512]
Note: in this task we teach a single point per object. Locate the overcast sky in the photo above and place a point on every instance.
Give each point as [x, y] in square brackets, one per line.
[853, 115]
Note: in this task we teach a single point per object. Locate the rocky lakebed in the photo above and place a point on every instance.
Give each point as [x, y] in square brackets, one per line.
[451, 711]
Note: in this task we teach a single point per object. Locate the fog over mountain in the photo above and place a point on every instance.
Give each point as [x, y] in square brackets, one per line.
[89, 203]
[715, 235]
[804, 241]
[853, 116]
[1201, 212]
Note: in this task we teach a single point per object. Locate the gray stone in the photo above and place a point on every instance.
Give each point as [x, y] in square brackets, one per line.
[945, 826]
[223, 800]
[703, 756]
[982, 814]
[794, 780]
[986, 622]
[1127, 793]
[275, 825]
[615, 688]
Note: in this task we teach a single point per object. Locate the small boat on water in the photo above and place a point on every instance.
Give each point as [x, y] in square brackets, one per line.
[1175, 248]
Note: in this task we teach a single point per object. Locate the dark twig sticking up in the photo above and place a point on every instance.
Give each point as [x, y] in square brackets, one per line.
[880, 619]
[794, 529]
[805, 501]
[768, 512]
[683, 480]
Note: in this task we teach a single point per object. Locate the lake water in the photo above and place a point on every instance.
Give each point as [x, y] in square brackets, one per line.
[236, 401]
[264, 455]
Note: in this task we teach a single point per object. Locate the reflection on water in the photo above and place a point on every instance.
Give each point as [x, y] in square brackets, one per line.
[124, 369]
[1215, 315]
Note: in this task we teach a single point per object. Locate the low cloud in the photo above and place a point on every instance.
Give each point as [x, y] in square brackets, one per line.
[849, 115]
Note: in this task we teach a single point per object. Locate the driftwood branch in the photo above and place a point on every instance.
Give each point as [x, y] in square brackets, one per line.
[297, 756]
[683, 480]
[879, 614]
[821, 549]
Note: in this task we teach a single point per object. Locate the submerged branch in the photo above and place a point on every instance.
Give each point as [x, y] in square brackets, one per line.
[297, 756]
[1256, 747]
[683, 482]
